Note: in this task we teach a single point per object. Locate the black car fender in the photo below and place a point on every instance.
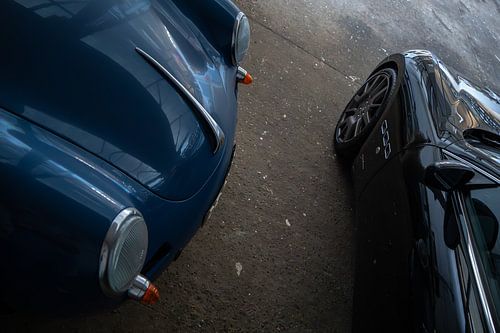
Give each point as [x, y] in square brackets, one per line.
[408, 120]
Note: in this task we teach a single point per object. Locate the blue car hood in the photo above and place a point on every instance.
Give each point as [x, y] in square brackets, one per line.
[72, 68]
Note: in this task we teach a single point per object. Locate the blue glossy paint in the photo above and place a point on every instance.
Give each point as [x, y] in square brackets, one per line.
[72, 69]
[87, 128]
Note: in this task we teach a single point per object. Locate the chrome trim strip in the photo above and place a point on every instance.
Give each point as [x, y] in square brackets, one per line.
[218, 134]
[138, 288]
[241, 73]
[474, 264]
[476, 168]
[236, 29]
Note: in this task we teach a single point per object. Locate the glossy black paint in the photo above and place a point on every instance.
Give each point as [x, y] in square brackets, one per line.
[407, 258]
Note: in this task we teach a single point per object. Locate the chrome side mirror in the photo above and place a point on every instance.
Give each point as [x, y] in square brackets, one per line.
[448, 175]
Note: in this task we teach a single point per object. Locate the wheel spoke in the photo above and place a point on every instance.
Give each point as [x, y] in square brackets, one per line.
[366, 118]
[369, 85]
[342, 129]
[348, 133]
[378, 81]
[366, 87]
[379, 86]
[358, 126]
[350, 112]
[378, 94]
[342, 124]
[350, 130]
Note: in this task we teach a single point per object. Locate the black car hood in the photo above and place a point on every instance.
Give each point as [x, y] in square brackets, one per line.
[73, 69]
[471, 107]
[472, 113]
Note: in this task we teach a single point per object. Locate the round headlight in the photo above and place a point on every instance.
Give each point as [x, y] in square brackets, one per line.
[123, 252]
[241, 38]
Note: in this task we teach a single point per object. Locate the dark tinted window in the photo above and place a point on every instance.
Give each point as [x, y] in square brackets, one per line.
[484, 210]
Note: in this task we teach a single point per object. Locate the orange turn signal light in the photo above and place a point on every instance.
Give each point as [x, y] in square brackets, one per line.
[151, 296]
[144, 291]
[248, 79]
[243, 76]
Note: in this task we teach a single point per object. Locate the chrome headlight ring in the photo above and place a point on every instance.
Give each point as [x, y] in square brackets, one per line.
[123, 252]
[241, 39]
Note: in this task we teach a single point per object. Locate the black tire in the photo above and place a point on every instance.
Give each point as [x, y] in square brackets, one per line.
[362, 113]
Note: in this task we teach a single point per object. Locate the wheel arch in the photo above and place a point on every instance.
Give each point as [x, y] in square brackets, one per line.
[395, 61]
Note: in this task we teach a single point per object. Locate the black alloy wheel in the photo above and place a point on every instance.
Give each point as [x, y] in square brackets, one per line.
[363, 112]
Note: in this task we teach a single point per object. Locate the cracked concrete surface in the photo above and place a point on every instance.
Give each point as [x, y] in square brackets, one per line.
[277, 253]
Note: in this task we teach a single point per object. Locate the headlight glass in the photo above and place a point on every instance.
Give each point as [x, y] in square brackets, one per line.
[241, 38]
[123, 252]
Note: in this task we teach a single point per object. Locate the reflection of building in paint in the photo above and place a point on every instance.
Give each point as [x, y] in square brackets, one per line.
[18, 152]
[482, 103]
[494, 96]
[68, 9]
[480, 111]
[102, 37]
[50, 8]
[99, 39]
[102, 147]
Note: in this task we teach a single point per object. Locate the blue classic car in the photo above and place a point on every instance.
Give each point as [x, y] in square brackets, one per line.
[117, 129]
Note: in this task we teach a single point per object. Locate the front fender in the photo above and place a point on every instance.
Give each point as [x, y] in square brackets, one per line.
[425, 105]
[56, 204]
[215, 19]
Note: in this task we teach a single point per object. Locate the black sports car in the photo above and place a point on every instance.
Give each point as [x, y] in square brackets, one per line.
[425, 148]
